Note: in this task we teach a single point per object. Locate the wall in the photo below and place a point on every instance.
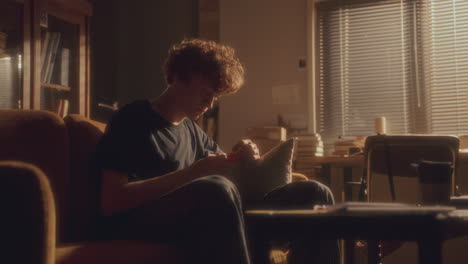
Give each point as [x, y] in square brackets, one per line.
[270, 38]
[130, 40]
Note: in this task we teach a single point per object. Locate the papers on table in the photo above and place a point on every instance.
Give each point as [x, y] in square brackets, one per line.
[361, 208]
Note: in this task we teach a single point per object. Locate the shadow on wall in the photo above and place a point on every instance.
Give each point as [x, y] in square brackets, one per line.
[129, 42]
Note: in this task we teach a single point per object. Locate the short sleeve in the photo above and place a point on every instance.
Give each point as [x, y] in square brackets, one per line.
[211, 146]
[123, 147]
[206, 144]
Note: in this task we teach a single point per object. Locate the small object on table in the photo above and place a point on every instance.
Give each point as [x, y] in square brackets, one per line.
[381, 125]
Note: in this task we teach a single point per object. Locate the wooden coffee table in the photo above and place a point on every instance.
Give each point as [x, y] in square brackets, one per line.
[429, 226]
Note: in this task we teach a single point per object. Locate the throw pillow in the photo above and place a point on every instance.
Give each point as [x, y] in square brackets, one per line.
[255, 179]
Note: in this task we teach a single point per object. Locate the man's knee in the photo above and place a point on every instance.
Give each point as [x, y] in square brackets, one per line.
[319, 191]
[300, 194]
[217, 190]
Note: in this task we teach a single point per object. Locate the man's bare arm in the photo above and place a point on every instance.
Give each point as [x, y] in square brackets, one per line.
[117, 194]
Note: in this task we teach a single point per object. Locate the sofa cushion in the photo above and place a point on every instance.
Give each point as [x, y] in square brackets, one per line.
[255, 179]
[84, 192]
[40, 138]
[116, 252]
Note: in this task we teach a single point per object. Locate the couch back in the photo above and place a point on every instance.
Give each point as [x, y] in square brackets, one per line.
[84, 134]
[40, 138]
[62, 149]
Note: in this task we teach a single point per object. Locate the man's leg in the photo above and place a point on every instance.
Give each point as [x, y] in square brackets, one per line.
[203, 218]
[302, 195]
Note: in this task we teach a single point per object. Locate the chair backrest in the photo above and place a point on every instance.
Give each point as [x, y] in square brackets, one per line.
[84, 134]
[40, 138]
[402, 151]
[463, 141]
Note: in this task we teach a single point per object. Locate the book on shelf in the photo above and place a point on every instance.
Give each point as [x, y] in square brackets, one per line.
[65, 108]
[64, 66]
[53, 58]
[62, 106]
[44, 44]
[58, 110]
[50, 54]
[45, 54]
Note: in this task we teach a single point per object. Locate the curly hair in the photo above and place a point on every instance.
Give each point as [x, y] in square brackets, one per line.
[208, 59]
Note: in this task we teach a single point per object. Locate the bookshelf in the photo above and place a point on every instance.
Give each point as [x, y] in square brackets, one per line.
[44, 47]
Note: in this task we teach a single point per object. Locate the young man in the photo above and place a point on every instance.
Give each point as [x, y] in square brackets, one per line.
[163, 179]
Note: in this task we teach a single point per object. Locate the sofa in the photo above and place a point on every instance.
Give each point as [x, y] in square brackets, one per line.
[50, 197]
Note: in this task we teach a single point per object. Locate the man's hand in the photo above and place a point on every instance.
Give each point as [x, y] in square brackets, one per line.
[214, 164]
[246, 150]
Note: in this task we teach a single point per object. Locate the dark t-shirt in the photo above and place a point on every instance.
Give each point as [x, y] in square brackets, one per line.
[141, 143]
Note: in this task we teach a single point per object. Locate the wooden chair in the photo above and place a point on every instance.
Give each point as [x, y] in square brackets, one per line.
[401, 151]
[394, 156]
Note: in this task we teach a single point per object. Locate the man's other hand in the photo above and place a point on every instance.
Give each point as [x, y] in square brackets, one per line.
[246, 150]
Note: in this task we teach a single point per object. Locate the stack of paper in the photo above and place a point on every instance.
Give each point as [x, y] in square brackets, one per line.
[347, 146]
[308, 146]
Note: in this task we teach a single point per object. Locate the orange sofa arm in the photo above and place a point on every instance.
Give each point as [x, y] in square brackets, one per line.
[296, 176]
[28, 224]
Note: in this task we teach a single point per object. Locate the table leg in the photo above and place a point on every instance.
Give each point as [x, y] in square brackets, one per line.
[373, 252]
[430, 251]
[348, 188]
[259, 248]
[348, 251]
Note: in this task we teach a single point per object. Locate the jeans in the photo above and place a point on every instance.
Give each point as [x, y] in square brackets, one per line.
[204, 219]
